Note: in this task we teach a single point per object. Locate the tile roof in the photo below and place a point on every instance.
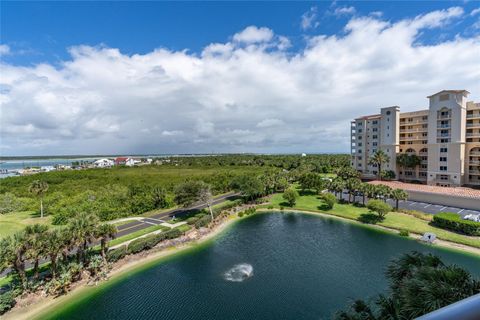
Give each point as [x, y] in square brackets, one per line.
[453, 191]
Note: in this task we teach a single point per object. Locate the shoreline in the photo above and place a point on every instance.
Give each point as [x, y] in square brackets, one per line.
[415, 236]
[45, 304]
[135, 263]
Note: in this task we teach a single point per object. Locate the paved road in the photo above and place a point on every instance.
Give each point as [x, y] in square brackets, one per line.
[430, 208]
[154, 220]
[157, 219]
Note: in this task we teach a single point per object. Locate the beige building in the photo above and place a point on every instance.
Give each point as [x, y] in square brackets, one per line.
[446, 138]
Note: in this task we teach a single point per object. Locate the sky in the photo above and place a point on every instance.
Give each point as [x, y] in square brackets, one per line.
[221, 77]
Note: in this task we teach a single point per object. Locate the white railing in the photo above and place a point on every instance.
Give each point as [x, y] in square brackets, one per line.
[467, 309]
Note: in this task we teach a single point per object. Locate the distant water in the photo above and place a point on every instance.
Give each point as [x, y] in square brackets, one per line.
[12, 165]
[283, 266]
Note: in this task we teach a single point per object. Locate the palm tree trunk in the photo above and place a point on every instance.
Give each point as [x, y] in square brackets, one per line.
[211, 212]
[102, 245]
[41, 207]
[35, 269]
[396, 204]
[19, 267]
[53, 265]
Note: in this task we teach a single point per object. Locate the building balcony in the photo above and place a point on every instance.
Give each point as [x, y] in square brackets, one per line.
[423, 154]
[414, 130]
[474, 153]
[438, 180]
[474, 163]
[444, 117]
[443, 126]
[473, 125]
[473, 115]
[474, 172]
[473, 134]
[404, 123]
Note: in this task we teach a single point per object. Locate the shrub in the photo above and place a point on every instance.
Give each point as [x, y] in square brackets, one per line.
[7, 301]
[173, 233]
[192, 220]
[417, 214]
[290, 195]
[404, 233]
[379, 207]
[329, 200]
[117, 253]
[241, 214]
[202, 222]
[137, 245]
[453, 221]
[270, 207]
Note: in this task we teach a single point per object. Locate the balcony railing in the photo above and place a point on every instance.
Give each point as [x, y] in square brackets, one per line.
[414, 130]
[475, 153]
[470, 125]
[423, 154]
[473, 134]
[473, 115]
[403, 123]
[444, 117]
[467, 309]
[443, 126]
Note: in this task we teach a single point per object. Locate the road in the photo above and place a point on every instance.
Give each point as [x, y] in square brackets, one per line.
[146, 222]
[430, 208]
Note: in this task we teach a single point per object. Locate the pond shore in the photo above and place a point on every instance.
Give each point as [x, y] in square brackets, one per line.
[37, 306]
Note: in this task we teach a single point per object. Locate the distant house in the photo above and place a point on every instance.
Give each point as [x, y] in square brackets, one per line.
[125, 161]
[103, 163]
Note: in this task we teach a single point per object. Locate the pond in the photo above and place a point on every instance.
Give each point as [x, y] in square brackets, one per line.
[268, 266]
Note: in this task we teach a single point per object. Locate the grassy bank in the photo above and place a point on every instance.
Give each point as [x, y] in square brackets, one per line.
[394, 220]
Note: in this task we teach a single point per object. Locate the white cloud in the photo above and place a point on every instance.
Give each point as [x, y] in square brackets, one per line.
[376, 14]
[252, 34]
[344, 11]
[475, 12]
[309, 19]
[266, 123]
[231, 96]
[4, 49]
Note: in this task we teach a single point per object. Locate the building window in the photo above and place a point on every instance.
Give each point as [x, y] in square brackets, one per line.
[375, 129]
[444, 97]
[374, 144]
[375, 136]
[443, 159]
[375, 122]
[443, 150]
[443, 168]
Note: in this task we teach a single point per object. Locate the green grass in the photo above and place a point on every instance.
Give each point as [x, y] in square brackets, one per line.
[184, 227]
[136, 234]
[11, 223]
[394, 220]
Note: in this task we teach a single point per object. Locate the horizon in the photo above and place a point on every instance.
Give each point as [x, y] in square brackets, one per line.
[203, 78]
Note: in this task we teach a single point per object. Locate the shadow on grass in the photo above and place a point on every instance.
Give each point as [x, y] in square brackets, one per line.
[307, 193]
[285, 204]
[324, 207]
[369, 218]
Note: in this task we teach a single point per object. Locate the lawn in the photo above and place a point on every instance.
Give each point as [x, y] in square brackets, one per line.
[11, 223]
[136, 234]
[394, 220]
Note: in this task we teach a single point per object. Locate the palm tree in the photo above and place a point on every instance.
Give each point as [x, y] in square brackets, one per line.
[205, 196]
[104, 232]
[337, 185]
[363, 188]
[378, 159]
[397, 195]
[54, 244]
[39, 188]
[12, 254]
[82, 228]
[352, 185]
[403, 161]
[35, 243]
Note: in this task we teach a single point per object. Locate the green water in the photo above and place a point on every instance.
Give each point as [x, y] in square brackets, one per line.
[304, 267]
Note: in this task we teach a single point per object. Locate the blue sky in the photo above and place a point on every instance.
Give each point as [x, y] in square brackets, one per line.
[43, 31]
[181, 77]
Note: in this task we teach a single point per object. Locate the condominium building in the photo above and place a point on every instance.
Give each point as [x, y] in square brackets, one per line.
[446, 138]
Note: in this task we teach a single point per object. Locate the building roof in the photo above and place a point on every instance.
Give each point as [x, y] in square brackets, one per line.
[465, 92]
[373, 116]
[452, 191]
[121, 159]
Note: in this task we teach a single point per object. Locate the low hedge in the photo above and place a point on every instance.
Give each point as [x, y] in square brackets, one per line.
[453, 221]
[203, 222]
[117, 253]
[7, 301]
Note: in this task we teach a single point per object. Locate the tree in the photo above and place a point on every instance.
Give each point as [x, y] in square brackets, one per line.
[35, 236]
[188, 192]
[39, 188]
[363, 189]
[378, 159]
[352, 186]
[82, 229]
[329, 200]
[347, 172]
[250, 187]
[397, 195]
[12, 254]
[403, 161]
[380, 207]
[54, 244]
[290, 195]
[418, 284]
[337, 185]
[205, 196]
[159, 195]
[104, 232]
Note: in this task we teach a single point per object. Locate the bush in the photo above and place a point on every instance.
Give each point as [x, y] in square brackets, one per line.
[116, 254]
[404, 233]
[417, 214]
[203, 222]
[241, 214]
[173, 233]
[329, 200]
[192, 220]
[379, 207]
[453, 221]
[290, 195]
[7, 301]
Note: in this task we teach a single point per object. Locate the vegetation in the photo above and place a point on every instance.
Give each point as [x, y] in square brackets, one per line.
[378, 159]
[329, 200]
[39, 188]
[379, 207]
[418, 284]
[453, 221]
[290, 195]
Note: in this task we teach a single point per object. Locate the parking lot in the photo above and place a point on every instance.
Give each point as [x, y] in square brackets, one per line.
[431, 208]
